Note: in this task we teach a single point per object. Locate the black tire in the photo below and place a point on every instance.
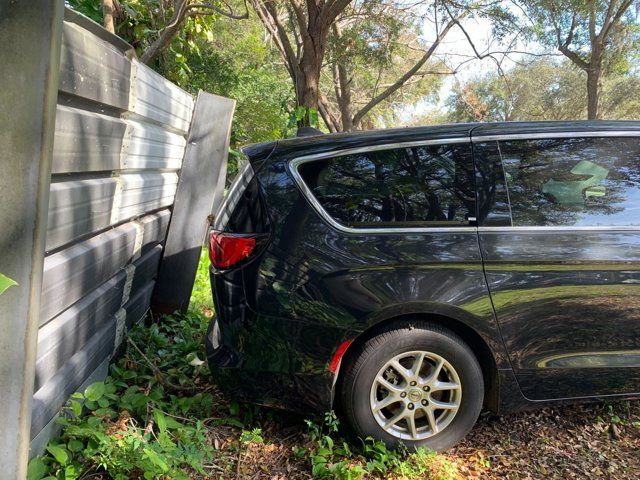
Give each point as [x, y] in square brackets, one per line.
[374, 354]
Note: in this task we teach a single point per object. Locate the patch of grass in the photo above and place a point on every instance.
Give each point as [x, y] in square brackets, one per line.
[201, 299]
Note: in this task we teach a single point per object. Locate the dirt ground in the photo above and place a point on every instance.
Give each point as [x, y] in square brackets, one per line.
[580, 441]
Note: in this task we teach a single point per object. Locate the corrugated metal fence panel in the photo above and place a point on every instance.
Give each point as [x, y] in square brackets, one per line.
[74, 272]
[86, 141]
[92, 142]
[152, 147]
[94, 69]
[79, 207]
[158, 99]
[143, 192]
[118, 149]
[67, 333]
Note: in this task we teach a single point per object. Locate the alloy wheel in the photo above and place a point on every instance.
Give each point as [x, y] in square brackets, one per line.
[415, 395]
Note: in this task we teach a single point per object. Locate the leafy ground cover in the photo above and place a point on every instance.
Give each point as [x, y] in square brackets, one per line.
[159, 416]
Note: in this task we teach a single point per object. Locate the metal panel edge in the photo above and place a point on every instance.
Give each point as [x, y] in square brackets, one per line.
[31, 36]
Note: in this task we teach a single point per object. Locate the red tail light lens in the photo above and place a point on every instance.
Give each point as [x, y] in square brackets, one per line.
[228, 249]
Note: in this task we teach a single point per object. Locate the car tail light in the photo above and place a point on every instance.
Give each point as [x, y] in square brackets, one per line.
[229, 249]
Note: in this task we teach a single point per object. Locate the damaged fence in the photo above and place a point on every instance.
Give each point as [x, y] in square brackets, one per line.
[108, 174]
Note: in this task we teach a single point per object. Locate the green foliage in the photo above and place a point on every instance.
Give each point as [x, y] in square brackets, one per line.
[139, 22]
[332, 457]
[245, 69]
[90, 8]
[135, 424]
[379, 43]
[6, 282]
[226, 57]
[542, 90]
[251, 436]
[297, 116]
[201, 298]
[572, 20]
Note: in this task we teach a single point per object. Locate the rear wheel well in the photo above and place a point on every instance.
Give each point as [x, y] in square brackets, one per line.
[477, 344]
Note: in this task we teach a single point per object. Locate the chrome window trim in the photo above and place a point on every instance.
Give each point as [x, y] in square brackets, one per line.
[306, 191]
[564, 228]
[541, 136]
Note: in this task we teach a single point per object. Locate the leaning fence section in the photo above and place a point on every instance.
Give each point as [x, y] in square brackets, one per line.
[120, 137]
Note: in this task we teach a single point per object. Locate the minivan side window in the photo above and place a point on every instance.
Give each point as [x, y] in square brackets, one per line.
[564, 181]
[425, 186]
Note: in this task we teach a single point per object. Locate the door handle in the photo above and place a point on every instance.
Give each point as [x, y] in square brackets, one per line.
[473, 221]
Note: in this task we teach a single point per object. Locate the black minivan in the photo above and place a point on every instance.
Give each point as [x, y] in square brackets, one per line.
[407, 277]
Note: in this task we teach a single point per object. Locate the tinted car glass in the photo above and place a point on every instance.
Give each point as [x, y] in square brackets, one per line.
[562, 182]
[426, 186]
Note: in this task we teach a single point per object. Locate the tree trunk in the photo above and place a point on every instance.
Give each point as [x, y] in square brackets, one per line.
[593, 92]
[308, 82]
[108, 13]
[344, 101]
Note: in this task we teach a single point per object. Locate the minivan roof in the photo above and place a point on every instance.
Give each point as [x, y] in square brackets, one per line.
[301, 146]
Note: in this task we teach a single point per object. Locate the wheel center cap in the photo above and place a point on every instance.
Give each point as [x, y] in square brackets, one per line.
[415, 394]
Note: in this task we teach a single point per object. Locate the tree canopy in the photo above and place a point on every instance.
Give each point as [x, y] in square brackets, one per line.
[357, 64]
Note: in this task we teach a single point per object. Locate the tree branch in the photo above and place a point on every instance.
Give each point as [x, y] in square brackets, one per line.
[335, 8]
[166, 34]
[283, 43]
[327, 115]
[564, 46]
[202, 8]
[181, 10]
[407, 75]
[604, 33]
[108, 14]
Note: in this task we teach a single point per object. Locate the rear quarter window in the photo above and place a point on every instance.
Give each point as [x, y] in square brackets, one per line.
[425, 186]
[243, 209]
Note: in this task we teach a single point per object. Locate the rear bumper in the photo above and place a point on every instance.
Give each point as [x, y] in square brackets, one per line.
[288, 390]
[264, 360]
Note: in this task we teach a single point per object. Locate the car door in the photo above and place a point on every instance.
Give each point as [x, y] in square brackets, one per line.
[559, 231]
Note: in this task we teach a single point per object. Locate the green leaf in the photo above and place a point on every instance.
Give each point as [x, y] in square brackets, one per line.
[59, 453]
[95, 391]
[36, 469]
[313, 117]
[71, 473]
[6, 282]
[156, 460]
[329, 441]
[75, 445]
[172, 424]
[160, 420]
[76, 407]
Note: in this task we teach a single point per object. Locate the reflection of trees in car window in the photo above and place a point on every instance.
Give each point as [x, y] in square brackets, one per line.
[577, 181]
[423, 186]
